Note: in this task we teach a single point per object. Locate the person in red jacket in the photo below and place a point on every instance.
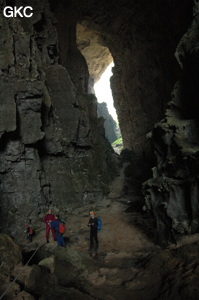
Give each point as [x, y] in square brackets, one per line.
[49, 217]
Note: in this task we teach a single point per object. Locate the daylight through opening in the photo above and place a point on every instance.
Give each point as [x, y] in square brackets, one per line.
[100, 62]
[107, 110]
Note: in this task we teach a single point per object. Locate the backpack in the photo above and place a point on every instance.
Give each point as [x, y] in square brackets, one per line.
[99, 224]
[62, 227]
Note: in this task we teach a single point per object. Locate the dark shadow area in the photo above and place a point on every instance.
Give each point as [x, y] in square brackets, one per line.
[144, 221]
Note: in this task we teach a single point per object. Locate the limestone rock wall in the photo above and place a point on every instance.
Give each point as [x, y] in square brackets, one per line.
[173, 192]
[142, 43]
[52, 144]
[109, 124]
[97, 55]
[10, 257]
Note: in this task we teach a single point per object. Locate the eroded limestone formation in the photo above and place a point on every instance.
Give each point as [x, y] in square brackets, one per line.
[97, 55]
[52, 144]
[109, 123]
[172, 193]
[52, 148]
[53, 151]
[142, 43]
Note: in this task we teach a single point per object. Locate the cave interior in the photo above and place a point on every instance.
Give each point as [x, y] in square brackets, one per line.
[54, 152]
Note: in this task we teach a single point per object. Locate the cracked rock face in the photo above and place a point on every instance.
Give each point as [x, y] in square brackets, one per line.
[52, 146]
[97, 55]
[51, 142]
[109, 123]
[142, 43]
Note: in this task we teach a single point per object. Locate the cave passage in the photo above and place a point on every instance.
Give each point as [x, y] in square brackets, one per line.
[99, 61]
[103, 91]
[107, 110]
[54, 154]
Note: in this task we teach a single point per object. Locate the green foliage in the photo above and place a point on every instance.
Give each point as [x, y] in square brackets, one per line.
[119, 141]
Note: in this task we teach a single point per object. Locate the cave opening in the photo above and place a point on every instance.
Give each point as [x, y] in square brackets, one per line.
[58, 158]
[100, 63]
[103, 91]
[106, 109]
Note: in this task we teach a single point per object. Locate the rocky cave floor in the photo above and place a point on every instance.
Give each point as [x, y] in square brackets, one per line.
[128, 265]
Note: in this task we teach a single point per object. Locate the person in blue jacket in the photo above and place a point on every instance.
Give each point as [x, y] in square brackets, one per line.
[93, 224]
[58, 231]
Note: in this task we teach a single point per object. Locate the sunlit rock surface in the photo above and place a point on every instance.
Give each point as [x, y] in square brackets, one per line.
[109, 123]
